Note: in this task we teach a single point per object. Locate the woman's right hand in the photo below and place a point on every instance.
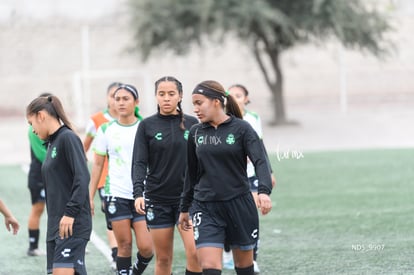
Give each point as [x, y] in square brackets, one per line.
[140, 205]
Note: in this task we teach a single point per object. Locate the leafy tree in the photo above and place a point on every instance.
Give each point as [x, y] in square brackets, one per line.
[268, 27]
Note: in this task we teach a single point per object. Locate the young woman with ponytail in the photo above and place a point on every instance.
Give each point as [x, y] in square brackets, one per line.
[159, 161]
[217, 190]
[66, 178]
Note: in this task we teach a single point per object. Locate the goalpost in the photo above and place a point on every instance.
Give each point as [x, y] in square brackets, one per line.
[82, 83]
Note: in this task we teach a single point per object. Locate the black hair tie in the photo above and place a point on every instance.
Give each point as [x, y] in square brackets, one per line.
[49, 98]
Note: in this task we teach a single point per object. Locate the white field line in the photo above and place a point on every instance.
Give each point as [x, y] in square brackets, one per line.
[101, 246]
[95, 239]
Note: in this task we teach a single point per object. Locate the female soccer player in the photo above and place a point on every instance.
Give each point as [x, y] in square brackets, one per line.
[223, 209]
[95, 121]
[116, 140]
[37, 190]
[158, 171]
[66, 178]
[241, 95]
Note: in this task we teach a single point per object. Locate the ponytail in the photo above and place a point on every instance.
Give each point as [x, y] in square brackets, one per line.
[232, 107]
[137, 114]
[180, 111]
[52, 105]
[213, 89]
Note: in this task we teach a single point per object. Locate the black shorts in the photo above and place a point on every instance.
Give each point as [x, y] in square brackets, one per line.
[35, 183]
[101, 192]
[103, 198]
[66, 253]
[37, 194]
[234, 222]
[121, 209]
[161, 216]
[254, 183]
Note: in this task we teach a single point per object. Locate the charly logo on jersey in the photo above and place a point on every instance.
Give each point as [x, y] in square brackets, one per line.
[230, 139]
[54, 153]
[66, 252]
[111, 208]
[150, 214]
[186, 133]
[158, 136]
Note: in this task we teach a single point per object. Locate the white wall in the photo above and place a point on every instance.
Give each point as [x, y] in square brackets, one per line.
[41, 49]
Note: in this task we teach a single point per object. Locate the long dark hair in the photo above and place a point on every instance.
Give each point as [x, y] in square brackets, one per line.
[230, 105]
[180, 92]
[52, 105]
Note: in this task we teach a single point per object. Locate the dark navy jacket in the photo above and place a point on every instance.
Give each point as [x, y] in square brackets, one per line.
[217, 160]
[159, 158]
[66, 178]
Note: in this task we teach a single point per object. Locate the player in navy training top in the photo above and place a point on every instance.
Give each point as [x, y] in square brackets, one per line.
[159, 164]
[217, 188]
[66, 178]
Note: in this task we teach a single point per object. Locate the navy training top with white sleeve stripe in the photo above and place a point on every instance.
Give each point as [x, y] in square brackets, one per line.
[217, 160]
[159, 158]
[66, 178]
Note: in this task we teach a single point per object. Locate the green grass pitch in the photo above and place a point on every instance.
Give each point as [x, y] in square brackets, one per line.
[344, 212]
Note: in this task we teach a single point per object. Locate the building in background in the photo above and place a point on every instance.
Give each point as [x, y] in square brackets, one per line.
[76, 48]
